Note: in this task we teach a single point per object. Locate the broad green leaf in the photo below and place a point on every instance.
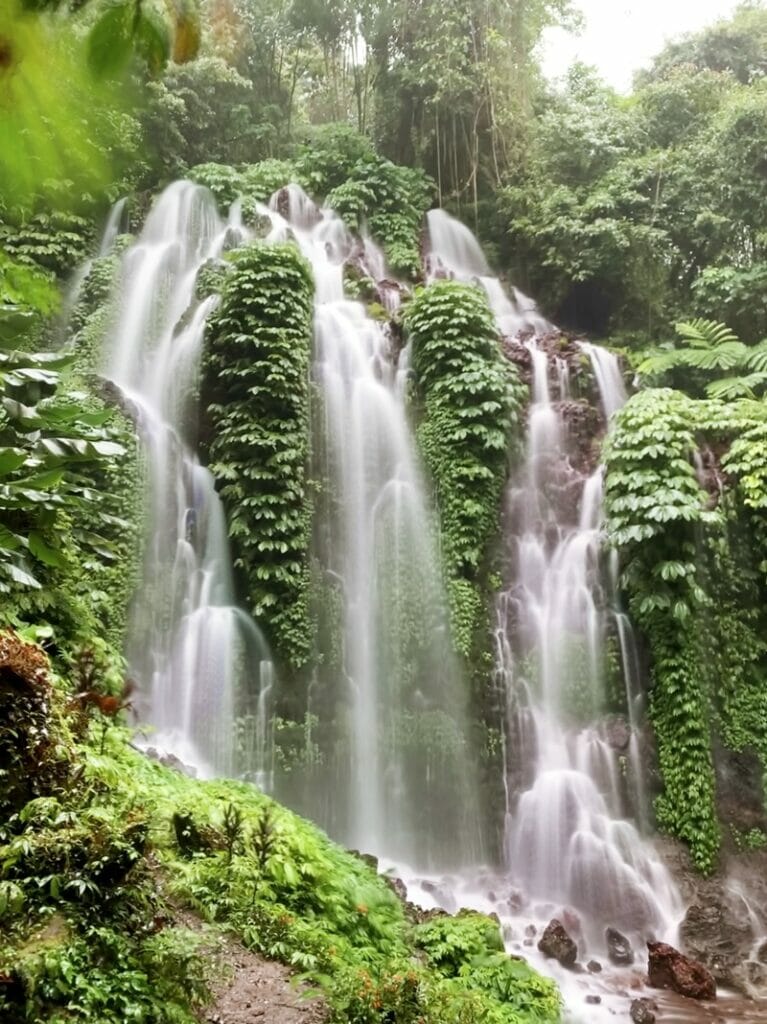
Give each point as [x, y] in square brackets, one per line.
[110, 43]
[44, 552]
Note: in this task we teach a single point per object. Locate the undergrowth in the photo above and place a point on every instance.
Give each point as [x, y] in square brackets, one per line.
[95, 860]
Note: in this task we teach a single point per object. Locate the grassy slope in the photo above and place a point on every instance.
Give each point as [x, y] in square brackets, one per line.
[92, 867]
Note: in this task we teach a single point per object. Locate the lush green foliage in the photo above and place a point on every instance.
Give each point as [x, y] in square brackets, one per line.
[95, 861]
[256, 384]
[390, 202]
[654, 504]
[471, 403]
[468, 948]
[711, 347]
[694, 572]
[631, 212]
[47, 439]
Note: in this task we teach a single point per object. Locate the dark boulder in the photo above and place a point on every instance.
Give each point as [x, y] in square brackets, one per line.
[619, 951]
[719, 935]
[643, 1011]
[594, 967]
[557, 944]
[668, 968]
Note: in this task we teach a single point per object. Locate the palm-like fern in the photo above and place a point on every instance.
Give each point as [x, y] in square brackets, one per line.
[709, 347]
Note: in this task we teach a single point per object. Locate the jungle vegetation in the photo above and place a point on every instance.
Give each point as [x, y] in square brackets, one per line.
[639, 219]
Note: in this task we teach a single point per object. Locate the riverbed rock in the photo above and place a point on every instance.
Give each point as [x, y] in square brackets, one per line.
[557, 944]
[594, 967]
[719, 935]
[668, 968]
[619, 951]
[643, 1011]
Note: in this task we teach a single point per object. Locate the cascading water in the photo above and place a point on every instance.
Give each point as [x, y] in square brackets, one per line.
[455, 252]
[567, 839]
[395, 728]
[565, 658]
[192, 652]
[392, 766]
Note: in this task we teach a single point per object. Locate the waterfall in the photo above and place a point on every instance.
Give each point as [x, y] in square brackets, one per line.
[568, 839]
[453, 251]
[192, 652]
[612, 390]
[397, 768]
[566, 666]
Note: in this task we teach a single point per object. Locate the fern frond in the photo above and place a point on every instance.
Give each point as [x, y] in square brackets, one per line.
[757, 357]
[661, 361]
[736, 387]
[701, 333]
[725, 356]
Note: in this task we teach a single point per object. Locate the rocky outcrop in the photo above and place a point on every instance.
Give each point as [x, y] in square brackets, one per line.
[619, 951]
[33, 757]
[643, 1011]
[668, 968]
[557, 944]
[718, 937]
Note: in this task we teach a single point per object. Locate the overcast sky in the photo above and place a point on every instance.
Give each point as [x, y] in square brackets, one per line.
[620, 36]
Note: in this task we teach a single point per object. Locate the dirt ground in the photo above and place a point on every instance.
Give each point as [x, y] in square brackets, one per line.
[258, 991]
[249, 989]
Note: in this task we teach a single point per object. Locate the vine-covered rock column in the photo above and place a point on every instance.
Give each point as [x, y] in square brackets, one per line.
[256, 385]
[655, 506]
[471, 404]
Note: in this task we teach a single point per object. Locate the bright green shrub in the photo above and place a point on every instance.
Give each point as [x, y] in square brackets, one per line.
[327, 158]
[471, 402]
[256, 385]
[390, 201]
[54, 241]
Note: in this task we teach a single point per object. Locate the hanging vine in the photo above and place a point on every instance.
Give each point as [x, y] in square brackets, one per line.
[471, 402]
[256, 386]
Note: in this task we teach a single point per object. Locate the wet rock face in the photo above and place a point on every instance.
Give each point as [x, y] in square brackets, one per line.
[557, 944]
[618, 732]
[619, 951]
[643, 1011]
[721, 939]
[668, 968]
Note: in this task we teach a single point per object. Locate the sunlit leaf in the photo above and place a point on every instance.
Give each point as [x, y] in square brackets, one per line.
[110, 43]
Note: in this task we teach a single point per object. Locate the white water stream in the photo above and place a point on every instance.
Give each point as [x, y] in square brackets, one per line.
[190, 649]
[376, 551]
[573, 776]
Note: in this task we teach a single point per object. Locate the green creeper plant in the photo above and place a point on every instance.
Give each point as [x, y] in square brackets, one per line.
[256, 386]
[470, 402]
[390, 201]
[655, 506]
